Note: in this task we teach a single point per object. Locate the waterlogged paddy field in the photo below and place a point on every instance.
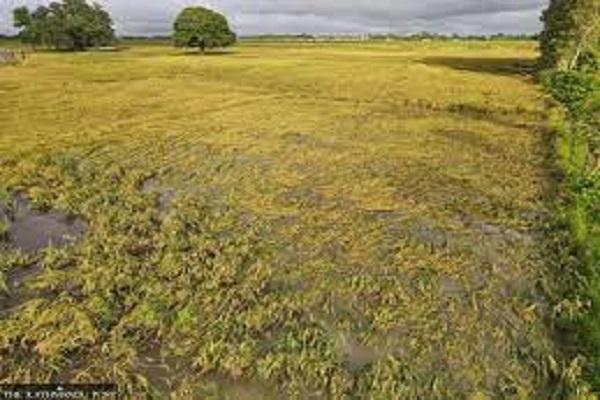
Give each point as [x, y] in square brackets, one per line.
[348, 221]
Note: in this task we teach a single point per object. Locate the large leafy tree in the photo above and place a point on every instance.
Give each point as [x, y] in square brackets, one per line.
[68, 25]
[202, 28]
[571, 36]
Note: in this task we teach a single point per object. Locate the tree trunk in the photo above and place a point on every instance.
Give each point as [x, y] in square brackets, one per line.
[575, 60]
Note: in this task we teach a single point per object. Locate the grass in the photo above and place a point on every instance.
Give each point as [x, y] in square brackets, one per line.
[351, 221]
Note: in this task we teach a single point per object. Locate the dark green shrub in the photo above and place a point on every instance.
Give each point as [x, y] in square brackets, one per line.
[66, 25]
[571, 88]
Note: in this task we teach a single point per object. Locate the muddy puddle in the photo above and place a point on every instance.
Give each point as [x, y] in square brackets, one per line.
[165, 196]
[160, 372]
[234, 389]
[16, 293]
[164, 374]
[30, 230]
[356, 355]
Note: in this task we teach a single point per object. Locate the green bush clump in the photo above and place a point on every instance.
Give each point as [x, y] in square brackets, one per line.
[572, 89]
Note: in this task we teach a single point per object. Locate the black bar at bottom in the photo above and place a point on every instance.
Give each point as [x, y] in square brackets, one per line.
[59, 392]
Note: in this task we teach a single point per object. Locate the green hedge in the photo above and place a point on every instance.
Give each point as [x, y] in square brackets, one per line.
[578, 131]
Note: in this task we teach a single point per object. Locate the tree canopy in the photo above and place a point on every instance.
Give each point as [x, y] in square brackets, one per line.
[571, 36]
[67, 25]
[202, 28]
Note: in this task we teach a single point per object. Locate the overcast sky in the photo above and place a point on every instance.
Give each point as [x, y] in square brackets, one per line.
[154, 17]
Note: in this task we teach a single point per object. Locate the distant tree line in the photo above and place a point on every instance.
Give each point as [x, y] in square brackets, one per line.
[456, 36]
[391, 37]
[148, 38]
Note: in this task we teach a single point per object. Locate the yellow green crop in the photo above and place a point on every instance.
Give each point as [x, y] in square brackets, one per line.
[324, 221]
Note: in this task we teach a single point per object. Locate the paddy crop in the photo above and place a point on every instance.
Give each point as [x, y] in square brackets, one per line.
[345, 221]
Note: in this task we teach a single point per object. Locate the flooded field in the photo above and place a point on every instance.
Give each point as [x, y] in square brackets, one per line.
[306, 221]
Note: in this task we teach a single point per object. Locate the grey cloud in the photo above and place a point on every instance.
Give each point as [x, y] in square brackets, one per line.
[333, 16]
[383, 9]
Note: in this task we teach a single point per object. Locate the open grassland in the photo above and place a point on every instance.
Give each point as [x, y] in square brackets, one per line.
[348, 221]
